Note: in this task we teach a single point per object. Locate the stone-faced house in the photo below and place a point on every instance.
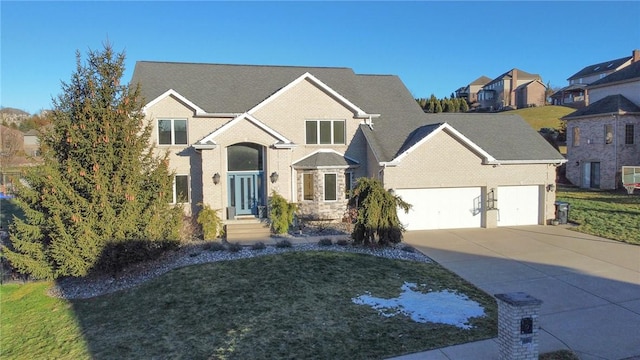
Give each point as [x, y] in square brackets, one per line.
[605, 135]
[237, 133]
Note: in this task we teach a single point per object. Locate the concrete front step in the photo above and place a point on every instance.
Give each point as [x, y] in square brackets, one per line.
[247, 229]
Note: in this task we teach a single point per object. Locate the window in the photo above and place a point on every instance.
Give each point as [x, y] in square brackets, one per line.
[325, 131]
[181, 189]
[348, 184]
[628, 134]
[576, 136]
[307, 185]
[172, 132]
[608, 134]
[330, 187]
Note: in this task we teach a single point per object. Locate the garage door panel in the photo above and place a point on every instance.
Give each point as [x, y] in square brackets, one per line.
[442, 208]
[518, 205]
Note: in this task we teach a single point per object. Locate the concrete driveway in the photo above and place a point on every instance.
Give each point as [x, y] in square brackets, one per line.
[590, 286]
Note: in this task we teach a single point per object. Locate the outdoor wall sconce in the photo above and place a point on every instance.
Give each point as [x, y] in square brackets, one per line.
[551, 187]
[274, 177]
[216, 179]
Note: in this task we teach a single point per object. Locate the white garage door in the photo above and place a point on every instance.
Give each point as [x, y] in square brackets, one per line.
[518, 205]
[448, 208]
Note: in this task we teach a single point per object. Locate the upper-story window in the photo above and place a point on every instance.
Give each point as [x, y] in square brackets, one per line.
[325, 132]
[608, 134]
[629, 132]
[576, 136]
[172, 132]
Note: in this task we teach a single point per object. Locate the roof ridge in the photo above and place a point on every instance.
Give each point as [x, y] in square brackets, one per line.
[243, 65]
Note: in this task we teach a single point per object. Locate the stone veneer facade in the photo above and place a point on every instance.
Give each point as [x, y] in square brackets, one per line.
[318, 208]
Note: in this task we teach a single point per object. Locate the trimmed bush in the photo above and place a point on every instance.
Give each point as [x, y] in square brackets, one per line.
[342, 242]
[210, 221]
[258, 246]
[284, 244]
[213, 246]
[325, 242]
[281, 213]
[118, 255]
[235, 247]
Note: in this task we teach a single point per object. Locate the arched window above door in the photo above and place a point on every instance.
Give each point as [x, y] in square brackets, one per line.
[244, 157]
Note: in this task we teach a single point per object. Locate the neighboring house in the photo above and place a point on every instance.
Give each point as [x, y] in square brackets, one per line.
[31, 142]
[501, 92]
[605, 135]
[237, 133]
[574, 95]
[470, 92]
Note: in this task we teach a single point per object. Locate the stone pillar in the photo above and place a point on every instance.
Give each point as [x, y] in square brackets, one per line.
[518, 326]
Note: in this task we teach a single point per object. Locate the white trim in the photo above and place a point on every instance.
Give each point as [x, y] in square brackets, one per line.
[445, 126]
[512, 162]
[282, 141]
[171, 92]
[307, 76]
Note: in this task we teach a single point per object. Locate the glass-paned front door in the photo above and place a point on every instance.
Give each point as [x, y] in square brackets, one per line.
[245, 192]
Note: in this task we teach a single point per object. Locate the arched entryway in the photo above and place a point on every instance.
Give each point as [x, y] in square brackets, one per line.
[245, 174]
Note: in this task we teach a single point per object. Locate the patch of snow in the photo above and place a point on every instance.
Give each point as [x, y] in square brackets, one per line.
[445, 307]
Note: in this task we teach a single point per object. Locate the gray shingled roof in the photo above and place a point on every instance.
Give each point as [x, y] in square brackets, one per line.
[522, 75]
[627, 73]
[324, 159]
[482, 80]
[612, 104]
[220, 88]
[238, 88]
[505, 137]
[599, 68]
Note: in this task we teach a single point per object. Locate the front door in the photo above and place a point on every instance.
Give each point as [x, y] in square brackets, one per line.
[245, 192]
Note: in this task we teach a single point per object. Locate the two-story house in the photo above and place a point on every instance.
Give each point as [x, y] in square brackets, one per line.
[237, 133]
[470, 91]
[513, 89]
[574, 95]
[605, 135]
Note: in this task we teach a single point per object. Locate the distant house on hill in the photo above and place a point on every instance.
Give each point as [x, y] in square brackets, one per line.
[513, 89]
[470, 91]
[574, 95]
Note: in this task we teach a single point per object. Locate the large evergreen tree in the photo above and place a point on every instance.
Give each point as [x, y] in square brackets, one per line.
[377, 210]
[100, 184]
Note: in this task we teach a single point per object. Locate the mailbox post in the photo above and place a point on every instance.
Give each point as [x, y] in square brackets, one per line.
[518, 326]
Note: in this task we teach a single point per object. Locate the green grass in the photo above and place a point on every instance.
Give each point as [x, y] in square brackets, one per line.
[610, 214]
[293, 305]
[543, 116]
[36, 326]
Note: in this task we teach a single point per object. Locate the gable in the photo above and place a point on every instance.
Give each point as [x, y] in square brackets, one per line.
[244, 128]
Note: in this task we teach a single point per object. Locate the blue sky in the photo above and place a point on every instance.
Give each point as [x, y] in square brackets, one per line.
[435, 47]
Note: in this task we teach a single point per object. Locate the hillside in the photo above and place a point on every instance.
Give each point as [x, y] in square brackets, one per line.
[543, 117]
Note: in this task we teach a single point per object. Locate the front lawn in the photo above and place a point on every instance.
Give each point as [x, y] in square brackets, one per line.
[610, 214]
[295, 305]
